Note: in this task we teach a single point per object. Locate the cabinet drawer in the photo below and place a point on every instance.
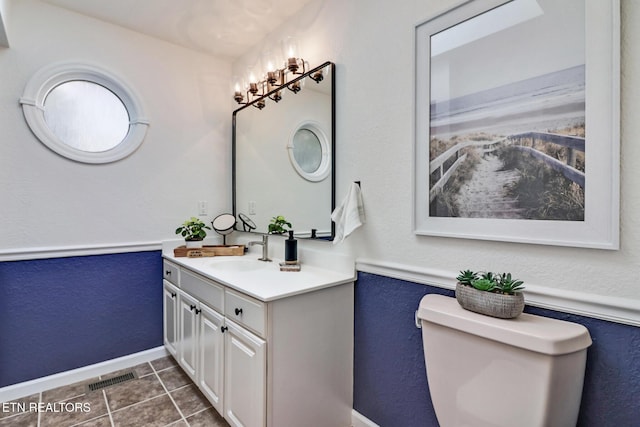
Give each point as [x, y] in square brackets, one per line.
[171, 272]
[203, 289]
[246, 311]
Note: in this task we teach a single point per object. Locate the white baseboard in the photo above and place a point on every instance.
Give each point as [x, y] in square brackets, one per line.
[359, 420]
[38, 385]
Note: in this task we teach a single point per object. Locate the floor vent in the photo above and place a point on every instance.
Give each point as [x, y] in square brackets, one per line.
[111, 381]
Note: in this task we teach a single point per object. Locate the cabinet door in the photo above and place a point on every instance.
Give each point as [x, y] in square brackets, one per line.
[170, 317]
[211, 358]
[188, 346]
[245, 378]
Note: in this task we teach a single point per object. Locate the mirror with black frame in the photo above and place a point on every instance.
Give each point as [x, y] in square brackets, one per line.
[283, 156]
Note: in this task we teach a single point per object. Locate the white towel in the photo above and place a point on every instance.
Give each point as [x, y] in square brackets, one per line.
[349, 215]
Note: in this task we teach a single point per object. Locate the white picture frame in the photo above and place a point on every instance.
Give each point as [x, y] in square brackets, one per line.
[599, 226]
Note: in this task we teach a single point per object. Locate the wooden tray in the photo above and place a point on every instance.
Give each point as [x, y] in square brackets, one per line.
[207, 251]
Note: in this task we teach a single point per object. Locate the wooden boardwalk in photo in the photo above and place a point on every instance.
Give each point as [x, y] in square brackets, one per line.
[485, 194]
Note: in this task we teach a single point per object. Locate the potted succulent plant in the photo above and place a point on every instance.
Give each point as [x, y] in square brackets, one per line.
[278, 225]
[193, 232]
[496, 295]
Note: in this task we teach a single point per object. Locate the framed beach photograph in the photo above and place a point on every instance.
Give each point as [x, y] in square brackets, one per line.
[517, 122]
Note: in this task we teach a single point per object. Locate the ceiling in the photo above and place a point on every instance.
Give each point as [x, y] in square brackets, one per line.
[225, 28]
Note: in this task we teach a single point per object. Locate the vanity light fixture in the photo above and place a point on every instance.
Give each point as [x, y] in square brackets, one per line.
[254, 82]
[296, 86]
[260, 104]
[237, 86]
[276, 96]
[290, 50]
[273, 75]
[318, 76]
[274, 78]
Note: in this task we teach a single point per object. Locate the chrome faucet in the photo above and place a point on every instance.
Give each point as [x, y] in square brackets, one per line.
[265, 247]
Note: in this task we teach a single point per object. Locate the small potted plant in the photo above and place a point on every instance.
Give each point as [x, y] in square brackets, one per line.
[279, 225]
[496, 295]
[193, 232]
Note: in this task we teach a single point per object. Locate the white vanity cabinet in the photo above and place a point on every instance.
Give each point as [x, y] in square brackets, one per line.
[201, 335]
[244, 377]
[170, 315]
[266, 363]
[170, 308]
[224, 359]
[211, 344]
[189, 335]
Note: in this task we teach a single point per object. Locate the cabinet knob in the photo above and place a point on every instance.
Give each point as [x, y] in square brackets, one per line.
[223, 328]
[191, 307]
[238, 311]
[198, 311]
[173, 294]
[168, 272]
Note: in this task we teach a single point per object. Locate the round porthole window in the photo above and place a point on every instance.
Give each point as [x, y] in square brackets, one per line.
[86, 116]
[83, 113]
[310, 152]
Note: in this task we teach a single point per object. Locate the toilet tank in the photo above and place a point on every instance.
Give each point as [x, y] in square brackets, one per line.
[483, 371]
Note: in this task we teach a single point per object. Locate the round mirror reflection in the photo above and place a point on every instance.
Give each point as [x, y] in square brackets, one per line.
[86, 116]
[310, 152]
[307, 150]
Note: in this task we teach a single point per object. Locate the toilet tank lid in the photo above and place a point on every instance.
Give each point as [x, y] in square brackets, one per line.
[535, 333]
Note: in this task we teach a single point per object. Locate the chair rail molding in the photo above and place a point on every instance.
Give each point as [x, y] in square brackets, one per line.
[613, 309]
[23, 254]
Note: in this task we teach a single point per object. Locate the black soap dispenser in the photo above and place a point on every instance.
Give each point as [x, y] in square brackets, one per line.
[291, 249]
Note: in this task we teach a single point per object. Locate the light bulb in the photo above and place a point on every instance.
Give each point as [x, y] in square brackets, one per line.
[291, 47]
[252, 77]
[237, 86]
[268, 62]
[270, 66]
[252, 81]
[290, 52]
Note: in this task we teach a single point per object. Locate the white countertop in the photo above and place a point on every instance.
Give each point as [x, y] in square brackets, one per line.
[264, 280]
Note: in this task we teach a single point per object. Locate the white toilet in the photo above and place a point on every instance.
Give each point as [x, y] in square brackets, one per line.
[488, 372]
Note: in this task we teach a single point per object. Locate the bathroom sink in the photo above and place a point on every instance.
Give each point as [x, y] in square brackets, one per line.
[240, 264]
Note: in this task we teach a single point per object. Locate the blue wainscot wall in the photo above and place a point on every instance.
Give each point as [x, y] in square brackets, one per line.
[64, 313]
[390, 384]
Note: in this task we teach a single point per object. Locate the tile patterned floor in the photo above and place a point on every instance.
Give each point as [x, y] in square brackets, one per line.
[162, 395]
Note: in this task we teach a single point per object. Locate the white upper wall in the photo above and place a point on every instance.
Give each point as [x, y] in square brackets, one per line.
[371, 42]
[50, 201]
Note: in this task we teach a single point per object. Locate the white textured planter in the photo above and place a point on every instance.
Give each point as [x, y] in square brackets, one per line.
[489, 303]
[193, 243]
